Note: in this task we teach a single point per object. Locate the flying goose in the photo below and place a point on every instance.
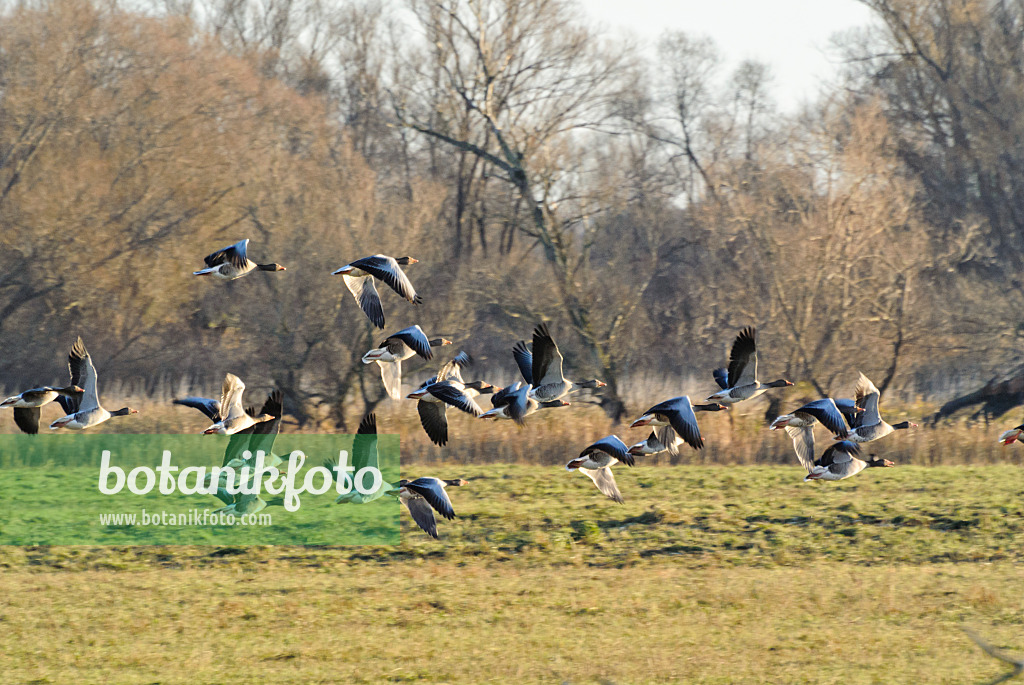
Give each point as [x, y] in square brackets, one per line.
[423, 496]
[232, 262]
[397, 348]
[514, 402]
[364, 454]
[739, 382]
[359, 277]
[1011, 436]
[27, 405]
[678, 414]
[447, 388]
[596, 462]
[232, 418]
[84, 410]
[260, 436]
[840, 461]
[542, 368]
[823, 410]
[868, 424]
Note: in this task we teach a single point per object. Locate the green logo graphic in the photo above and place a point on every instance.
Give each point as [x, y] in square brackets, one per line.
[198, 490]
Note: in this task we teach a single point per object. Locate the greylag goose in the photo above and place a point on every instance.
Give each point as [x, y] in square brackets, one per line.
[677, 413]
[84, 410]
[840, 461]
[396, 348]
[232, 262]
[27, 405]
[824, 411]
[542, 368]
[364, 454]
[447, 388]
[1011, 436]
[423, 496]
[868, 425]
[232, 418]
[258, 437]
[596, 462]
[359, 277]
[514, 402]
[739, 382]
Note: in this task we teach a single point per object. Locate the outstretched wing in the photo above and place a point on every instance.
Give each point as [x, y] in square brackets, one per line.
[423, 515]
[416, 339]
[803, 445]
[432, 490]
[547, 360]
[828, 414]
[83, 374]
[386, 269]
[604, 479]
[524, 360]
[866, 396]
[743, 359]
[235, 255]
[368, 298]
[27, 419]
[209, 407]
[613, 446]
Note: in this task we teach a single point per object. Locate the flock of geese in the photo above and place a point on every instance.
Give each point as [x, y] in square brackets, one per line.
[852, 422]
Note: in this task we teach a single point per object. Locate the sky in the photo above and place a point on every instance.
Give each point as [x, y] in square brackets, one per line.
[792, 36]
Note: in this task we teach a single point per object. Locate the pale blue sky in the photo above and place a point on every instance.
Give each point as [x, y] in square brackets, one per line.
[790, 35]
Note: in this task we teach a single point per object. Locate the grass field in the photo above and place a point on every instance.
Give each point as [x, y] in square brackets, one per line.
[705, 574]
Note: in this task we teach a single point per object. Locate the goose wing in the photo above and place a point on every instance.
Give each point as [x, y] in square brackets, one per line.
[27, 419]
[803, 445]
[235, 255]
[391, 376]
[613, 446]
[265, 433]
[365, 292]
[518, 404]
[828, 414]
[414, 338]
[423, 515]
[433, 418]
[866, 396]
[432, 490]
[524, 360]
[83, 374]
[743, 359]
[722, 378]
[231, 397]
[668, 437]
[209, 407]
[387, 269]
[547, 360]
[364, 445]
[680, 415]
[450, 394]
[604, 479]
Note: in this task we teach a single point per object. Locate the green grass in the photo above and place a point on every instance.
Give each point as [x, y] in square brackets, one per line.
[705, 574]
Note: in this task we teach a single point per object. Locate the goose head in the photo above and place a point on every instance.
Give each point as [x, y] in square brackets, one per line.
[405, 261]
[781, 383]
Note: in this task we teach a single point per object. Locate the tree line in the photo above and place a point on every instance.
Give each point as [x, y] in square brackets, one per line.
[648, 205]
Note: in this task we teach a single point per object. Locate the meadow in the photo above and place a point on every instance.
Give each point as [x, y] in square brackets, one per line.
[716, 574]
